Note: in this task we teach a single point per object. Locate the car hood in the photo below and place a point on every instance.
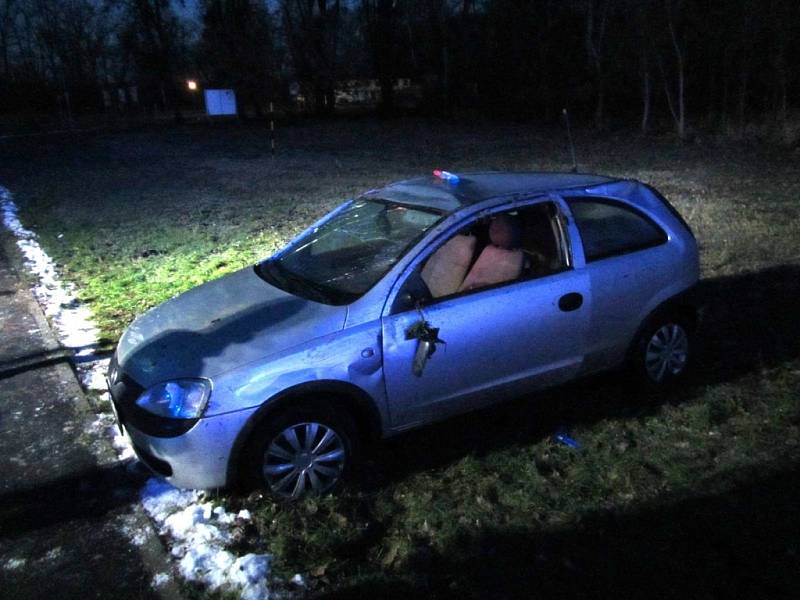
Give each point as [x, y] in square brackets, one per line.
[218, 326]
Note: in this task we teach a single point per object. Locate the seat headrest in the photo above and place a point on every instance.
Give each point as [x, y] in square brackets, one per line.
[504, 231]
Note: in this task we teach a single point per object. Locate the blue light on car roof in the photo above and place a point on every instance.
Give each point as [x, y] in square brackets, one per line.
[446, 176]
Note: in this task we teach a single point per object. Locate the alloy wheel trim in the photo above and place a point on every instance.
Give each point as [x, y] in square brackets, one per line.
[667, 352]
[304, 457]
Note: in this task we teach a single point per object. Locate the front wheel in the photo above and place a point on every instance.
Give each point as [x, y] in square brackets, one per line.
[663, 351]
[302, 451]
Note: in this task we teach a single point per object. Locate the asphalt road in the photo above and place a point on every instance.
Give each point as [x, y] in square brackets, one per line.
[70, 521]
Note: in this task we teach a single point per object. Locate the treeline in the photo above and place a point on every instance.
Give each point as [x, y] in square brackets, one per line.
[717, 64]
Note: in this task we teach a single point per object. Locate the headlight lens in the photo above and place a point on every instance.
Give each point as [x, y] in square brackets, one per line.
[179, 399]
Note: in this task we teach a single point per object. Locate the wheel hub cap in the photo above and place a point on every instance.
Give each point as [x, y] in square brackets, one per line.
[666, 352]
[306, 457]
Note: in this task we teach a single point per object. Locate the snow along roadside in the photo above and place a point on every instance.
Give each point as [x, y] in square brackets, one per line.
[197, 531]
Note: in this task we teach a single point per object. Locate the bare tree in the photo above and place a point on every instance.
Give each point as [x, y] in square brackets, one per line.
[675, 84]
[62, 45]
[437, 15]
[153, 37]
[312, 35]
[596, 18]
[779, 19]
[381, 21]
[642, 23]
[8, 14]
[236, 49]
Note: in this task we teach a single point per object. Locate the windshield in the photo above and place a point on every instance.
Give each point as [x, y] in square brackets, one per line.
[344, 257]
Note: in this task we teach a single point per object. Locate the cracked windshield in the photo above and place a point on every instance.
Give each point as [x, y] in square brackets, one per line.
[344, 257]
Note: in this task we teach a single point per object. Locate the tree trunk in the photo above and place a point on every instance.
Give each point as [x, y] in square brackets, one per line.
[678, 112]
[439, 51]
[741, 110]
[681, 103]
[387, 96]
[383, 49]
[646, 93]
[593, 39]
[781, 87]
[711, 95]
[599, 110]
[725, 101]
[411, 45]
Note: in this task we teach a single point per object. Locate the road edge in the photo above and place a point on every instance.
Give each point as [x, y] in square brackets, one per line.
[154, 556]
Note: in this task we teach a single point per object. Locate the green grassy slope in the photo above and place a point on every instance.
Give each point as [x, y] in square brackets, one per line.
[694, 489]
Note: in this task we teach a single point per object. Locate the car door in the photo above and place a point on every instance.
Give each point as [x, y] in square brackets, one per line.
[627, 259]
[497, 341]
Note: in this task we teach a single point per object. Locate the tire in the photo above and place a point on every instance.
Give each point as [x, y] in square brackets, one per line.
[302, 450]
[663, 351]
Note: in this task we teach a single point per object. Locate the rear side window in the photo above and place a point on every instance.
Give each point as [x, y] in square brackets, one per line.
[609, 228]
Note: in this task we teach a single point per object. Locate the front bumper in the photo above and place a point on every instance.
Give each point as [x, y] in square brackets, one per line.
[200, 458]
[188, 453]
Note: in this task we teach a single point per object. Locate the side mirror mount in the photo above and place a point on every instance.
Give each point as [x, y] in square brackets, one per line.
[413, 294]
[407, 299]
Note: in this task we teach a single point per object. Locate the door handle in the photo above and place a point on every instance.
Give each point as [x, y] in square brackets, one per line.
[571, 301]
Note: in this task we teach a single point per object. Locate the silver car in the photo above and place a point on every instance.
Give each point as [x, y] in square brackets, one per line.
[410, 303]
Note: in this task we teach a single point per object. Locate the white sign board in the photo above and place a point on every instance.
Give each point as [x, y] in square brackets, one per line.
[220, 102]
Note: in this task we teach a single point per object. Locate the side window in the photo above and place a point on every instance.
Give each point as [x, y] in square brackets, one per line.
[504, 247]
[609, 228]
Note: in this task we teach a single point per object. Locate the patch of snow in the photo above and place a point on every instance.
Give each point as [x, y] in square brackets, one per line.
[53, 553]
[105, 425]
[197, 530]
[134, 532]
[14, 563]
[122, 445]
[93, 375]
[71, 320]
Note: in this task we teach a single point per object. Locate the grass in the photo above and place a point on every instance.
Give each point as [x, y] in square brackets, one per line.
[691, 492]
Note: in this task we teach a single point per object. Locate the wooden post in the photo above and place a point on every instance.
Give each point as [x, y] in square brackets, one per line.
[68, 106]
[271, 129]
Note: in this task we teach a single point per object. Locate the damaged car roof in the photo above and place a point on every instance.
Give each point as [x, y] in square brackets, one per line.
[471, 188]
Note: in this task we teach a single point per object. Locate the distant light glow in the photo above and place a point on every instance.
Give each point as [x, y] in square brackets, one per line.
[191, 84]
[446, 176]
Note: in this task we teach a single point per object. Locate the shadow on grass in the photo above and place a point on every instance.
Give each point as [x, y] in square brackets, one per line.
[750, 323]
[743, 542]
[739, 538]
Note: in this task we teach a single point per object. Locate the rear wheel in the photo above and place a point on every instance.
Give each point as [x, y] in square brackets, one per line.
[663, 350]
[302, 450]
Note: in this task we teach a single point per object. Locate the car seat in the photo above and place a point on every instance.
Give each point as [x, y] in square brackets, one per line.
[444, 271]
[502, 260]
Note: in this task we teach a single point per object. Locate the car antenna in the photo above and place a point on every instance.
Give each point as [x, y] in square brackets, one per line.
[574, 168]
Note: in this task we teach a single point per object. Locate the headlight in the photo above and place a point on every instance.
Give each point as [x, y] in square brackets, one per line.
[179, 399]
